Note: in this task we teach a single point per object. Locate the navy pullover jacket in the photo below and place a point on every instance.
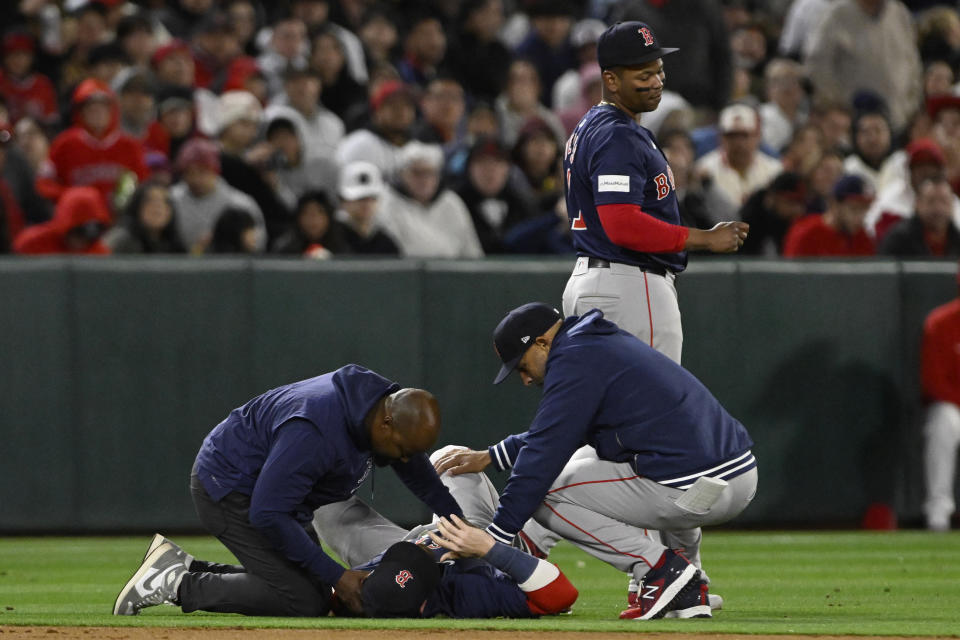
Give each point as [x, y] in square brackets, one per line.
[606, 388]
[301, 446]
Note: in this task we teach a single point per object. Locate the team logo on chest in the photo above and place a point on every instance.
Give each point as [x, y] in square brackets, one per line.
[664, 183]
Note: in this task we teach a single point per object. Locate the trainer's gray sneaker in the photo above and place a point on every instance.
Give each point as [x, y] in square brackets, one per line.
[155, 582]
[158, 540]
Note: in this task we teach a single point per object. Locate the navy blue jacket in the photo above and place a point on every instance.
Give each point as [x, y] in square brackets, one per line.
[303, 445]
[606, 388]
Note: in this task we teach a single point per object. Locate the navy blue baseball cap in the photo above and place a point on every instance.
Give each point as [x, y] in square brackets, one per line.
[627, 44]
[401, 583]
[517, 332]
[852, 187]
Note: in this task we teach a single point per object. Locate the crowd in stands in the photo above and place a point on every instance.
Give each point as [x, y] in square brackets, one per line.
[436, 128]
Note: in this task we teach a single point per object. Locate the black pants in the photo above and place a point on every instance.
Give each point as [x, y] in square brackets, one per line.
[266, 585]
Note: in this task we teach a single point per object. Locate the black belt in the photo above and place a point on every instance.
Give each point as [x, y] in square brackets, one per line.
[600, 263]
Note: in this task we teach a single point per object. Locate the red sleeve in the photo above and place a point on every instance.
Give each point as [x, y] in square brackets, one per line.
[939, 369]
[628, 226]
[553, 598]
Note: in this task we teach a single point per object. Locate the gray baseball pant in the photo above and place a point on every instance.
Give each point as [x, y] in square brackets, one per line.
[356, 532]
[641, 303]
[600, 506]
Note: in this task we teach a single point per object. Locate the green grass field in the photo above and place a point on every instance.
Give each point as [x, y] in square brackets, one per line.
[837, 583]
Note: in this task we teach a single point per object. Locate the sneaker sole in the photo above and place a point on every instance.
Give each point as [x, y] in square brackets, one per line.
[699, 611]
[130, 586]
[671, 593]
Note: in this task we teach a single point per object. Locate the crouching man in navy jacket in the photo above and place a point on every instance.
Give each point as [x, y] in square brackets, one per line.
[259, 476]
[623, 435]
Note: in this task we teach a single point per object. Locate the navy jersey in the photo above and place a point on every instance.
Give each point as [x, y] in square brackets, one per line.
[469, 588]
[610, 159]
[606, 388]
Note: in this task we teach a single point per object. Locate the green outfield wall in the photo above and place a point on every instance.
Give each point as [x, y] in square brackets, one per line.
[113, 370]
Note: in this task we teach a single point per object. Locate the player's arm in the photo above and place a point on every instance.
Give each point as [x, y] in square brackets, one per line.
[295, 464]
[628, 226]
[464, 460]
[570, 399]
[547, 589]
[619, 175]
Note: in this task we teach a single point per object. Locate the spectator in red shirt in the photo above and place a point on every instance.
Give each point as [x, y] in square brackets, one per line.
[93, 152]
[26, 93]
[79, 220]
[940, 369]
[839, 230]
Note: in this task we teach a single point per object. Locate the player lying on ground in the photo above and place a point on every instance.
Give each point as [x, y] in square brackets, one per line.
[464, 572]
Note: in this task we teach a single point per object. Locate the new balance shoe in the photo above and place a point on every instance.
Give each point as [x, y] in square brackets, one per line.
[692, 602]
[158, 540]
[662, 586]
[155, 582]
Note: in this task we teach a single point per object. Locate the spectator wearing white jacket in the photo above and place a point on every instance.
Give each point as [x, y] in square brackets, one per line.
[425, 219]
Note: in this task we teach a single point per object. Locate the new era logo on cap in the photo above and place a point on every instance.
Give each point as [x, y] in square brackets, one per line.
[525, 339]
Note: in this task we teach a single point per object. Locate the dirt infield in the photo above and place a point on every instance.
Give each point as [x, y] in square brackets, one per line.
[166, 633]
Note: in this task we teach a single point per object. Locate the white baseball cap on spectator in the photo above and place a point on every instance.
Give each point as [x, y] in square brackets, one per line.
[238, 105]
[586, 31]
[360, 180]
[738, 118]
[416, 151]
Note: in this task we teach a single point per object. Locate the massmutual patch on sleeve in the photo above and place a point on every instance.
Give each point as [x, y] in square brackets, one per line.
[613, 183]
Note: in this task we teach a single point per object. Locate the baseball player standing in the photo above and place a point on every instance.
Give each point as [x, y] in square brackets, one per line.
[622, 203]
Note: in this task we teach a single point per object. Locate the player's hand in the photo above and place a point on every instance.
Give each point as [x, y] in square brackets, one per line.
[462, 539]
[462, 460]
[348, 590]
[725, 237]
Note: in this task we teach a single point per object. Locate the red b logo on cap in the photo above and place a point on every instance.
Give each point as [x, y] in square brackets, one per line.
[647, 36]
[402, 578]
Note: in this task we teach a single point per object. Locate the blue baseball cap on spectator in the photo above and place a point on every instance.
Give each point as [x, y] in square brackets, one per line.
[627, 44]
[852, 187]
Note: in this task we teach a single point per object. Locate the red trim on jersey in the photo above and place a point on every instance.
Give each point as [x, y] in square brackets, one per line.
[587, 533]
[628, 226]
[577, 484]
[646, 288]
[556, 597]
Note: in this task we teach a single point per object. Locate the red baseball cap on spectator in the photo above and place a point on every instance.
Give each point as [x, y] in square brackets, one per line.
[18, 41]
[199, 151]
[935, 104]
[925, 150]
[387, 90]
[172, 47]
